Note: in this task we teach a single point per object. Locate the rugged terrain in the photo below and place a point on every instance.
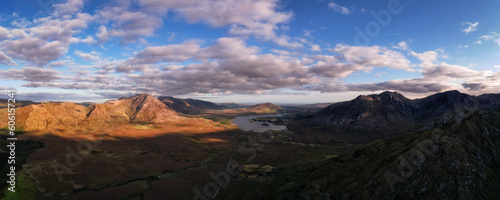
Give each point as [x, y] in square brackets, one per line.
[388, 113]
[453, 161]
[383, 146]
[67, 116]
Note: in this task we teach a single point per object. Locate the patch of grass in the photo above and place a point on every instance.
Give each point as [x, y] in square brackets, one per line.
[5, 131]
[23, 150]
[25, 189]
[222, 120]
[143, 126]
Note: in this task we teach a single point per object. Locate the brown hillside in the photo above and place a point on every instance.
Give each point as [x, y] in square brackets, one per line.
[142, 108]
[47, 116]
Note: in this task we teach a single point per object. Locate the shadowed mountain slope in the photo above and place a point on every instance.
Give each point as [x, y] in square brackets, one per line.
[188, 106]
[449, 162]
[390, 112]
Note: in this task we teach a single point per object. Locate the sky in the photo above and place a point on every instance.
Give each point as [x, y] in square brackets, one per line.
[282, 51]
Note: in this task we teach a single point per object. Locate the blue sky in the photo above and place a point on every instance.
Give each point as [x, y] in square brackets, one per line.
[248, 50]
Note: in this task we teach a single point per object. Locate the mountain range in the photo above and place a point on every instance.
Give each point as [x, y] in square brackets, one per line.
[390, 112]
[138, 109]
[444, 146]
[49, 116]
[453, 161]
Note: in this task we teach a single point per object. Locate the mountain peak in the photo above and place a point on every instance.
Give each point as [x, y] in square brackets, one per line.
[453, 93]
[141, 108]
[141, 95]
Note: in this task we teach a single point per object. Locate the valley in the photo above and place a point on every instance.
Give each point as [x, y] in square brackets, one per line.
[376, 146]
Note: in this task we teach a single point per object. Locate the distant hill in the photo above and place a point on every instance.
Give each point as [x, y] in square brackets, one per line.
[390, 112]
[233, 105]
[265, 108]
[188, 106]
[3, 103]
[86, 104]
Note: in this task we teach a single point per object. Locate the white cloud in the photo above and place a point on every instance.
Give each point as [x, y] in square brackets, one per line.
[259, 18]
[489, 84]
[6, 60]
[59, 63]
[180, 52]
[493, 36]
[374, 56]
[315, 47]
[47, 39]
[102, 33]
[427, 57]
[4, 33]
[130, 26]
[432, 69]
[415, 85]
[401, 46]
[351, 59]
[88, 40]
[69, 8]
[171, 36]
[338, 8]
[307, 33]
[470, 27]
[35, 50]
[445, 70]
[92, 56]
[31, 74]
[282, 52]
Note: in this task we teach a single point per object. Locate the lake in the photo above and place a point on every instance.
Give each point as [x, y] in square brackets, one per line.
[245, 123]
